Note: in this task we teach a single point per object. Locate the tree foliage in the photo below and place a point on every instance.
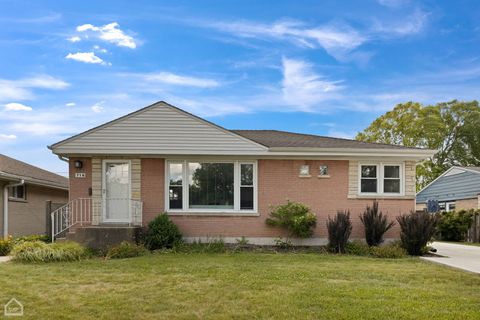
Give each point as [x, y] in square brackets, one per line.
[449, 127]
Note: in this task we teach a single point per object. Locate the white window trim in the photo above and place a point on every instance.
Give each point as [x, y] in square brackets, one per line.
[380, 179]
[236, 198]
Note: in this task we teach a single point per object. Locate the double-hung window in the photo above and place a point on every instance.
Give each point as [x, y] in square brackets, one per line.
[380, 178]
[211, 186]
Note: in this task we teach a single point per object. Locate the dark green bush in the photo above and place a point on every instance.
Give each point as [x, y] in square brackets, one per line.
[388, 251]
[453, 225]
[357, 248]
[375, 224]
[339, 230]
[126, 250]
[38, 251]
[417, 229]
[295, 217]
[162, 233]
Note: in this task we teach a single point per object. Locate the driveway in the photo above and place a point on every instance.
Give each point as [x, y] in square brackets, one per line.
[457, 255]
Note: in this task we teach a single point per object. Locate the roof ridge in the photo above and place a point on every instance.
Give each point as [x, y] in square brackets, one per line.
[328, 137]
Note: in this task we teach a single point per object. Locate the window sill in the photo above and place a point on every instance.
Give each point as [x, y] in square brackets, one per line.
[211, 213]
[324, 176]
[381, 196]
[17, 200]
[304, 176]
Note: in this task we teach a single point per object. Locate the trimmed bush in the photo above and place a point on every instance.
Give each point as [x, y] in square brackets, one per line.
[126, 250]
[453, 225]
[162, 233]
[38, 251]
[339, 230]
[357, 248]
[376, 224]
[33, 237]
[417, 229]
[295, 217]
[388, 251]
[6, 246]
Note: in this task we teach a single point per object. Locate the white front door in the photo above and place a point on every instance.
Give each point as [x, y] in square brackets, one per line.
[116, 191]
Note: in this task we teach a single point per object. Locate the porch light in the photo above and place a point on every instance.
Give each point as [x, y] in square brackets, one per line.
[78, 164]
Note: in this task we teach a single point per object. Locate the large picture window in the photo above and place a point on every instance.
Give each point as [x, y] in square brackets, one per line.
[380, 178]
[208, 186]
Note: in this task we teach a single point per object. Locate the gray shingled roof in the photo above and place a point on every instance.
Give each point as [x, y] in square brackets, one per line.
[284, 139]
[13, 168]
[472, 168]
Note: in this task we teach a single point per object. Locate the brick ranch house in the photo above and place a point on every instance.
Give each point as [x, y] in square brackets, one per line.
[215, 182]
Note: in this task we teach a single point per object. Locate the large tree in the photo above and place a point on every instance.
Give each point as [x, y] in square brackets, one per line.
[452, 128]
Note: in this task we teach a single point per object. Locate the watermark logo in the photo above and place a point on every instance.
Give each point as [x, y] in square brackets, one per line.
[13, 308]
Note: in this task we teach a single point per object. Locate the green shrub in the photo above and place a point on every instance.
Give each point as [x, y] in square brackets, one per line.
[417, 229]
[283, 244]
[357, 248]
[33, 237]
[162, 233]
[214, 245]
[453, 225]
[389, 251]
[295, 217]
[375, 224]
[339, 230]
[6, 246]
[38, 251]
[126, 250]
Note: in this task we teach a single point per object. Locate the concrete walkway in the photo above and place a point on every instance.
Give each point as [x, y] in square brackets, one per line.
[4, 259]
[457, 255]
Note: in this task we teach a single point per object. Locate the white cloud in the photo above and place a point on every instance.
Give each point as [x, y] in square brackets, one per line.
[336, 39]
[87, 57]
[408, 25]
[100, 49]
[97, 107]
[302, 87]
[22, 89]
[179, 80]
[74, 39]
[70, 104]
[13, 106]
[111, 33]
[7, 137]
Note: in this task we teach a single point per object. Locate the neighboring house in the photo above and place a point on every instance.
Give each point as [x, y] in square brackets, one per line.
[215, 182]
[25, 190]
[457, 188]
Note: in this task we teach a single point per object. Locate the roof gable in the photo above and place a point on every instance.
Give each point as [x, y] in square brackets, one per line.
[158, 129]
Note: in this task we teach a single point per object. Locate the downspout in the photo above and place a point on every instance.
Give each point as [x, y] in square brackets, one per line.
[5, 205]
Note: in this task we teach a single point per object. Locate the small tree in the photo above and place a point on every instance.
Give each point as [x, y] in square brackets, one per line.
[295, 217]
[339, 230]
[162, 233]
[375, 224]
[454, 225]
[417, 229]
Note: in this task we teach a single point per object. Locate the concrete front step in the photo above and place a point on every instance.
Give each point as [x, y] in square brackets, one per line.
[104, 236]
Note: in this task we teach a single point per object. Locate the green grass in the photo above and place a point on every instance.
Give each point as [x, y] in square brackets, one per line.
[242, 286]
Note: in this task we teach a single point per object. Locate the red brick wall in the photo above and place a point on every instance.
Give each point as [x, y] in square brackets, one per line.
[79, 186]
[278, 181]
[152, 188]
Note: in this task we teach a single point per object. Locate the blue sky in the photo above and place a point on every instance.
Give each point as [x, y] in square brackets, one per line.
[321, 67]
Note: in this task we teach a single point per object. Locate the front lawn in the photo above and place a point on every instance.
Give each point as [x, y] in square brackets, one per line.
[242, 286]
